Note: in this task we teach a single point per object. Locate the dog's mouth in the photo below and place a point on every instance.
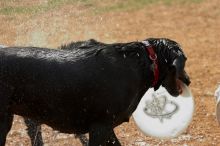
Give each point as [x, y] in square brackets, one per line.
[175, 86]
[182, 79]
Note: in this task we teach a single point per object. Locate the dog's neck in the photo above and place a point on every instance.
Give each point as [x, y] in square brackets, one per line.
[162, 67]
[153, 57]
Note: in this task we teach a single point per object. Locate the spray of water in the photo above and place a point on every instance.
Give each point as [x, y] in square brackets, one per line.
[60, 26]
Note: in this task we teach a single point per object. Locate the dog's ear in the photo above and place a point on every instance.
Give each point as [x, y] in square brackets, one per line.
[175, 68]
[170, 81]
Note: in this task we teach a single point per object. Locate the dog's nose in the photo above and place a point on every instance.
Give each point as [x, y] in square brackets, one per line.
[187, 81]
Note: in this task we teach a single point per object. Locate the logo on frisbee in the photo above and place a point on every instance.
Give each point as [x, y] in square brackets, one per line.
[160, 107]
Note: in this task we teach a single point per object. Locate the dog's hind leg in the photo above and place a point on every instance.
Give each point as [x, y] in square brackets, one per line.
[6, 117]
[34, 132]
[102, 134]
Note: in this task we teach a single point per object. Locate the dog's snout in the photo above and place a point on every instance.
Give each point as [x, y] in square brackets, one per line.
[184, 77]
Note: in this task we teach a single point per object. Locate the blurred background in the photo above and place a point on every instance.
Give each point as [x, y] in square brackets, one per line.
[195, 24]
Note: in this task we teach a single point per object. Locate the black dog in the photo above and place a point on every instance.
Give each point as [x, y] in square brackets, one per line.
[87, 89]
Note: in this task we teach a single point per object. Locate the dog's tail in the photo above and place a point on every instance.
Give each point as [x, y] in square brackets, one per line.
[2, 46]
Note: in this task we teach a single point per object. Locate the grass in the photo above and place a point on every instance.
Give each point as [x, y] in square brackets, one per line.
[119, 5]
[125, 5]
[137, 4]
[21, 10]
[33, 9]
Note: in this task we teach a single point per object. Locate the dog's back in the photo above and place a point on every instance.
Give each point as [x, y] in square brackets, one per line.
[53, 86]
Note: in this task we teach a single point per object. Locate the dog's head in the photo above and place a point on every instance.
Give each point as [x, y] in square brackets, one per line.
[171, 65]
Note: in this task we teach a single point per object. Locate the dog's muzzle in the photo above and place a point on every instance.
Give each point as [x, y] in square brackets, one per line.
[184, 77]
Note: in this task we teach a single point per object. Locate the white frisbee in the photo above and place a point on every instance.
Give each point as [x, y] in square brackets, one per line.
[162, 116]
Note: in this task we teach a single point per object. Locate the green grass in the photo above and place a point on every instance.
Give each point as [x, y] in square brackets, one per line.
[121, 5]
[137, 4]
[21, 10]
[125, 5]
[33, 9]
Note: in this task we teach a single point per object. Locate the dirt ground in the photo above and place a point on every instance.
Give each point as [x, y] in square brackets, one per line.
[195, 26]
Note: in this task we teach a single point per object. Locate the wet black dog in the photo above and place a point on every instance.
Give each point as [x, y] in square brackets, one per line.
[84, 88]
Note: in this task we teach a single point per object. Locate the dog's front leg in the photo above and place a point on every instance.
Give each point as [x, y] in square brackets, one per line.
[5, 126]
[102, 134]
[6, 117]
[113, 140]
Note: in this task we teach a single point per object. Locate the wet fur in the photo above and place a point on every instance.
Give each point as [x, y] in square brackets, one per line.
[85, 87]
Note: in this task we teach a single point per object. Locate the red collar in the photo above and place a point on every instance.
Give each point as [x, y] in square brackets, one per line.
[153, 57]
